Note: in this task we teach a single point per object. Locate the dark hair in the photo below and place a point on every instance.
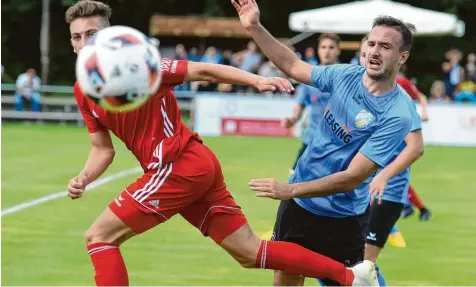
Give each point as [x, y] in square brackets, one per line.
[405, 29]
[364, 38]
[88, 8]
[331, 36]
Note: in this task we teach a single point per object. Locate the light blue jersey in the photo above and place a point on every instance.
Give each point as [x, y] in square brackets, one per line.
[309, 96]
[353, 121]
[397, 186]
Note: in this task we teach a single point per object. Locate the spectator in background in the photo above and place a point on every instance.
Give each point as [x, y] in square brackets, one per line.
[181, 54]
[269, 69]
[466, 89]
[211, 56]
[249, 60]
[193, 55]
[28, 88]
[452, 70]
[228, 58]
[310, 56]
[471, 67]
[438, 93]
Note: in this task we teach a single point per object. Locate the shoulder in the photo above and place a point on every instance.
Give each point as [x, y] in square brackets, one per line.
[401, 107]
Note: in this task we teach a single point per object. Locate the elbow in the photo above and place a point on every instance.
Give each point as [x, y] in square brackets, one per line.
[111, 153]
[420, 151]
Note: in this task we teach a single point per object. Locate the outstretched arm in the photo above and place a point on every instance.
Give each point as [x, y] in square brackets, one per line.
[285, 59]
[231, 75]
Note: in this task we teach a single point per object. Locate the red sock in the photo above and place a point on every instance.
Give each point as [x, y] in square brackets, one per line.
[108, 264]
[297, 260]
[414, 198]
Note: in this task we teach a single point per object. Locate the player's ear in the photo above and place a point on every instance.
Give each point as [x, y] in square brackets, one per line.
[403, 57]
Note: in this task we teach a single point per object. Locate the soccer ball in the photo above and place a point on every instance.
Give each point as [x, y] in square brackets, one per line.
[119, 69]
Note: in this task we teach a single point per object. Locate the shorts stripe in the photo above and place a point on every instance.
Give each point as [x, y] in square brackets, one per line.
[168, 167]
[151, 183]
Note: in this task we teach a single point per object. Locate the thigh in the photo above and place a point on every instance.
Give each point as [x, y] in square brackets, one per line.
[108, 227]
[163, 192]
[382, 218]
[215, 213]
[338, 238]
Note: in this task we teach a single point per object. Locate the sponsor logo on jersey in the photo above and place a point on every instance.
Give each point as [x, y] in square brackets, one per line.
[340, 131]
[363, 119]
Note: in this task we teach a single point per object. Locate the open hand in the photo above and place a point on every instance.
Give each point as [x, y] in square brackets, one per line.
[274, 84]
[376, 188]
[271, 188]
[248, 11]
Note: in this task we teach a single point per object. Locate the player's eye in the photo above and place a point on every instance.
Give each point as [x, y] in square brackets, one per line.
[76, 38]
[91, 34]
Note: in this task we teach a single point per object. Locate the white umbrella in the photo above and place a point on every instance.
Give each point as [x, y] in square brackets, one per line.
[357, 17]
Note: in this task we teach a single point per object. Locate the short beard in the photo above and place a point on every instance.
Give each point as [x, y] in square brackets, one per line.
[380, 77]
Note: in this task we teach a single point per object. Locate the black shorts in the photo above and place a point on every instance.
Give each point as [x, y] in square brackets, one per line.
[341, 239]
[382, 218]
[300, 152]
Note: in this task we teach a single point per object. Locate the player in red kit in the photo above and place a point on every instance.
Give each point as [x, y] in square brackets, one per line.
[412, 90]
[181, 174]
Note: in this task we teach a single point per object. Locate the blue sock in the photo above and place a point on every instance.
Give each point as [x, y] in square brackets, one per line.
[320, 282]
[380, 277]
[393, 230]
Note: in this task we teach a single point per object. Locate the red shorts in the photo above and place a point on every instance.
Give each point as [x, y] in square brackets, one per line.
[192, 185]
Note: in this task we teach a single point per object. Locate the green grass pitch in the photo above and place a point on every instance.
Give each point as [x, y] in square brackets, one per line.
[44, 245]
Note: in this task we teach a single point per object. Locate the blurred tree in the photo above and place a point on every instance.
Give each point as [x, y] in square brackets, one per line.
[21, 30]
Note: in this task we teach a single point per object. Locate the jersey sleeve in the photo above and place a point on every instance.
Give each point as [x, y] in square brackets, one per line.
[303, 96]
[173, 71]
[416, 122]
[324, 77]
[91, 122]
[383, 143]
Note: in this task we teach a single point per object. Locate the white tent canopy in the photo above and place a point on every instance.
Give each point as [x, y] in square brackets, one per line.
[357, 17]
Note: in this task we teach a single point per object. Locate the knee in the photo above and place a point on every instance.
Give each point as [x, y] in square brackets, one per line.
[95, 235]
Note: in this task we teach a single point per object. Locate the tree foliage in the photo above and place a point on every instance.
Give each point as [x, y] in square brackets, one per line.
[21, 29]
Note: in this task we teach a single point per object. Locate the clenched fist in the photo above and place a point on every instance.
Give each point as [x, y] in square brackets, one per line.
[77, 186]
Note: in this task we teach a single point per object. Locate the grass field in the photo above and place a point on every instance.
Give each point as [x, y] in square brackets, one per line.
[43, 245]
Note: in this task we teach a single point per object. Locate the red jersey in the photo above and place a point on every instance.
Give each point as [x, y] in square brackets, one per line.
[154, 132]
[409, 87]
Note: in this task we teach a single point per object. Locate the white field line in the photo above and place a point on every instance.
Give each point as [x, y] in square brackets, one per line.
[64, 193]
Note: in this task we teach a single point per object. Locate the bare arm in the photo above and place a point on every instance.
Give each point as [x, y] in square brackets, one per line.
[297, 114]
[100, 157]
[413, 151]
[359, 169]
[231, 75]
[285, 59]
[424, 106]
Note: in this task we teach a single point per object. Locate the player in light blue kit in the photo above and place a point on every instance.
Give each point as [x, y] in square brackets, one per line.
[390, 186]
[364, 124]
[328, 50]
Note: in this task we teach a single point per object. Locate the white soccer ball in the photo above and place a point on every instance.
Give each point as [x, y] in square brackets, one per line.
[119, 69]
